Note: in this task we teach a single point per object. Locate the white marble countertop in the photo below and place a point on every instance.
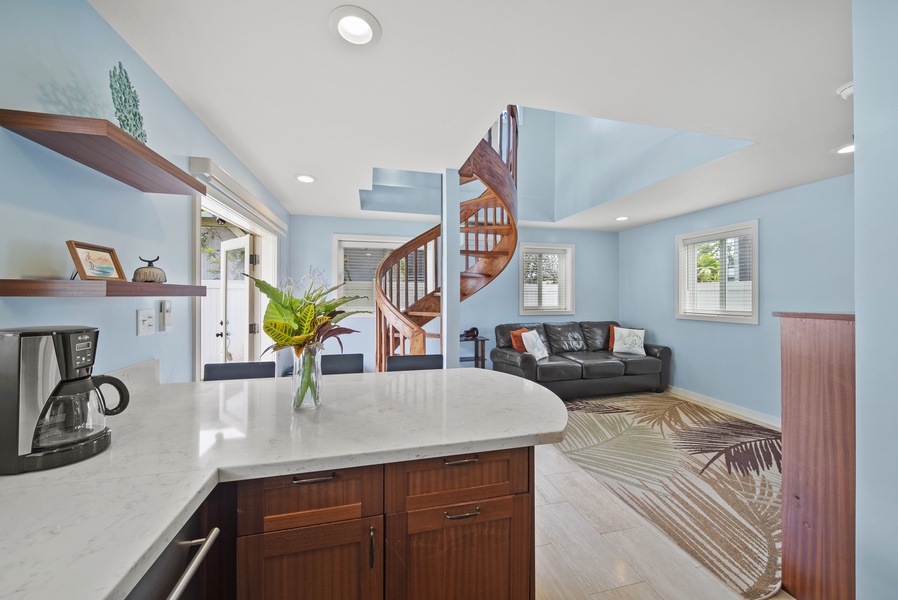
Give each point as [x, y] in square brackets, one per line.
[97, 526]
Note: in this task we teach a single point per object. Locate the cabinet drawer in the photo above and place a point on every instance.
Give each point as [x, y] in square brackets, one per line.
[417, 484]
[276, 503]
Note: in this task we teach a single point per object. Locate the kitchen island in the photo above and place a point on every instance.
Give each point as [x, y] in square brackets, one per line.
[93, 529]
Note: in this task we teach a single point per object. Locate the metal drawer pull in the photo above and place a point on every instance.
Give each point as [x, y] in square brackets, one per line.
[195, 562]
[371, 550]
[469, 515]
[313, 480]
[455, 463]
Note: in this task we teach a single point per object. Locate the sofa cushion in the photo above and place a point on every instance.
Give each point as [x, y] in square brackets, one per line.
[628, 341]
[503, 333]
[557, 368]
[565, 337]
[516, 342]
[596, 365]
[596, 334]
[533, 344]
[639, 365]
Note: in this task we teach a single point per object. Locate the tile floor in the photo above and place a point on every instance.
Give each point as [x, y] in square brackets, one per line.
[591, 546]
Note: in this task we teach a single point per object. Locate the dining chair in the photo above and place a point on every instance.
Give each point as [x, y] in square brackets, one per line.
[414, 362]
[334, 364]
[238, 370]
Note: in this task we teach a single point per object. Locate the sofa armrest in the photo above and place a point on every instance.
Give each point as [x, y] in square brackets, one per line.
[662, 352]
[509, 360]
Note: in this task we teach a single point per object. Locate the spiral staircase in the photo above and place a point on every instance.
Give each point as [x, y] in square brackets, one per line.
[407, 290]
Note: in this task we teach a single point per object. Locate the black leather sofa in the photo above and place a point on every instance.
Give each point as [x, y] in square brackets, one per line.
[579, 363]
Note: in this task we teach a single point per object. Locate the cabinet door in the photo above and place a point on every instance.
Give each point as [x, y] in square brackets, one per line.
[466, 551]
[338, 561]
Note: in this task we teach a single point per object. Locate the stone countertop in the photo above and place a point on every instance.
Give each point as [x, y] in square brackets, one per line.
[97, 526]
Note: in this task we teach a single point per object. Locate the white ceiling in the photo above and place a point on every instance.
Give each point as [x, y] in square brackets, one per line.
[287, 96]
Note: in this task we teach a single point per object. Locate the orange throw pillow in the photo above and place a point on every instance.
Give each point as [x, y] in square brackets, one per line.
[516, 341]
[611, 339]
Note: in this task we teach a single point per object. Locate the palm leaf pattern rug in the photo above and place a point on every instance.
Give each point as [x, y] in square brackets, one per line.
[709, 480]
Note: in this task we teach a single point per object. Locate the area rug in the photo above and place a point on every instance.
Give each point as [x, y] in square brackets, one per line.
[709, 480]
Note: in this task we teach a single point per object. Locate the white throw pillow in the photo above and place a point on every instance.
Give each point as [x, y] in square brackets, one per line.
[629, 341]
[534, 345]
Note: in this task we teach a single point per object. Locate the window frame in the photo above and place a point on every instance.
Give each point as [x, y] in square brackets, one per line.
[531, 247]
[682, 241]
[339, 239]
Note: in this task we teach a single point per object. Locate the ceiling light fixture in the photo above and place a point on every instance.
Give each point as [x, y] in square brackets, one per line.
[305, 178]
[848, 149]
[622, 218]
[355, 25]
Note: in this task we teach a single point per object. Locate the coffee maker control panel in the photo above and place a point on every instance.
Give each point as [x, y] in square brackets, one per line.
[77, 356]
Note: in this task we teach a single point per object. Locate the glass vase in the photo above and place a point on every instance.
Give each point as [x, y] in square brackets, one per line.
[307, 377]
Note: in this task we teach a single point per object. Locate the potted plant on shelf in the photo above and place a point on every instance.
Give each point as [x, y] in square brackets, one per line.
[303, 324]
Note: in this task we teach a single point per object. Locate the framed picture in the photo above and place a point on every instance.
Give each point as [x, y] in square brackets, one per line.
[95, 262]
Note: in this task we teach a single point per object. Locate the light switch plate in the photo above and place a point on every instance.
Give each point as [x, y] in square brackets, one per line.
[146, 321]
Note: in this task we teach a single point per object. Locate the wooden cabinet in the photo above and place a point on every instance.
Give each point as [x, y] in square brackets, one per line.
[314, 535]
[818, 378]
[337, 561]
[459, 527]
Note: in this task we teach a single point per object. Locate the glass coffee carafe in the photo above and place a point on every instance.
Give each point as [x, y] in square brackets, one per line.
[76, 411]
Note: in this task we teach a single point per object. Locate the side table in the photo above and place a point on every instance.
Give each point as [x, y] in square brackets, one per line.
[479, 358]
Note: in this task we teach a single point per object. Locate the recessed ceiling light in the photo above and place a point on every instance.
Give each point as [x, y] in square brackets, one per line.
[849, 149]
[355, 25]
[305, 178]
[622, 218]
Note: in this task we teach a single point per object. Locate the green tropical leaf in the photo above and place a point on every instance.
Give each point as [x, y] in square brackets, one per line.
[304, 318]
[281, 333]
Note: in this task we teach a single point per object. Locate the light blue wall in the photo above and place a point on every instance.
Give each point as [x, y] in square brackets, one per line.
[876, 214]
[595, 284]
[596, 263]
[806, 264]
[55, 57]
[311, 245]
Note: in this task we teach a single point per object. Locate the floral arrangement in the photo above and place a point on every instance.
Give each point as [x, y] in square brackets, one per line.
[300, 322]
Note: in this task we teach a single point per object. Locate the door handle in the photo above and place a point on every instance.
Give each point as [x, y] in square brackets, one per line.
[195, 562]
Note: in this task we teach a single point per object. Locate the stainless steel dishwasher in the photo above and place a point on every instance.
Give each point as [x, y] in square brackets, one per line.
[172, 575]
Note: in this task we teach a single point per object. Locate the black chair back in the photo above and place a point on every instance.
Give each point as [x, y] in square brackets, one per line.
[238, 370]
[334, 364]
[414, 362]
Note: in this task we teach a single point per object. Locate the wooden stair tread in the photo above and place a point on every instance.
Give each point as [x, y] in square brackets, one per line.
[474, 275]
[422, 313]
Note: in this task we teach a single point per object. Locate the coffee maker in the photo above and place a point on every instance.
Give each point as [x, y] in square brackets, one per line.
[52, 412]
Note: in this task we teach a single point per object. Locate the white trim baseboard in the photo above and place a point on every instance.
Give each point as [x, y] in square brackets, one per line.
[733, 409]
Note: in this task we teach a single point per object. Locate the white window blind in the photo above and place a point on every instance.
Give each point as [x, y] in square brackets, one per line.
[547, 279]
[356, 258]
[717, 273]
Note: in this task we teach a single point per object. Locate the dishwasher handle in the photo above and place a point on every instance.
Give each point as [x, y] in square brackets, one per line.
[195, 562]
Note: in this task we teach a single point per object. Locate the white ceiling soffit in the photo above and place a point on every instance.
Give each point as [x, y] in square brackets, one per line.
[287, 96]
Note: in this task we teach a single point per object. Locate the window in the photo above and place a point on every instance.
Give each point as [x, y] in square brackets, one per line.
[717, 274]
[356, 258]
[547, 279]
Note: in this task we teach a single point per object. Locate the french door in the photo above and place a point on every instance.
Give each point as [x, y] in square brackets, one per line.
[236, 300]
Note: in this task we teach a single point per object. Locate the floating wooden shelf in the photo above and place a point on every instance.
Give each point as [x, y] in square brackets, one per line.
[102, 146]
[94, 288]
